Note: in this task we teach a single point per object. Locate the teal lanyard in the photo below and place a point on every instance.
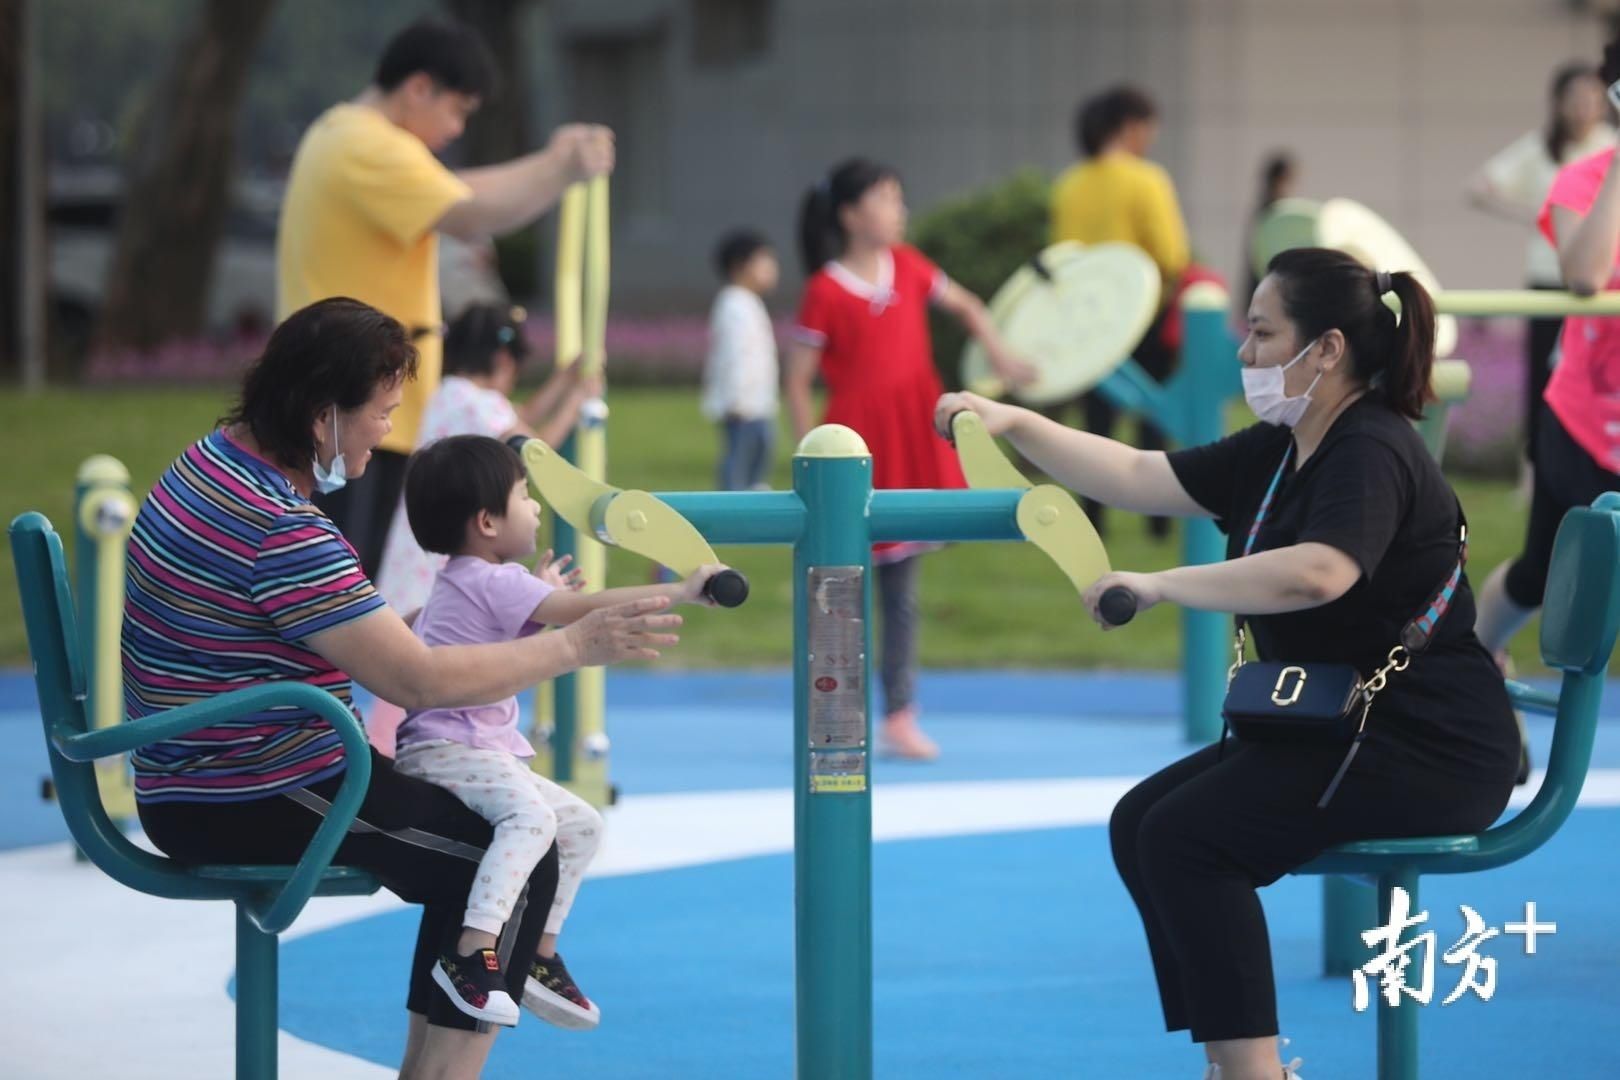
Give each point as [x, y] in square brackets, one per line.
[1265, 503]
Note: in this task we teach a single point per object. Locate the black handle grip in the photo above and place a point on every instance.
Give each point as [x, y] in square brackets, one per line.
[516, 442]
[1117, 606]
[949, 434]
[728, 588]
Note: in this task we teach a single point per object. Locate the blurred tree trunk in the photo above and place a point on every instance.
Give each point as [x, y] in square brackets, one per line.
[179, 185]
[22, 299]
[11, 157]
[499, 130]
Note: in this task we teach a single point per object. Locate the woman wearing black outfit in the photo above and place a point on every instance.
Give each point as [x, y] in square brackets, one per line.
[1361, 533]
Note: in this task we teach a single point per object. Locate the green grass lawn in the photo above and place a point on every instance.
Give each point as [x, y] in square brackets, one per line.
[985, 605]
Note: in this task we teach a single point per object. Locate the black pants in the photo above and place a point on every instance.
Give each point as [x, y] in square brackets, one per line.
[364, 508]
[1540, 341]
[419, 840]
[1194, 841]
[1565, 477]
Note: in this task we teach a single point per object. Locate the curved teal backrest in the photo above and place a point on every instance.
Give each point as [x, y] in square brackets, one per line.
[1579, 618]
[1581, 611]
[59, 675]
[53, 641]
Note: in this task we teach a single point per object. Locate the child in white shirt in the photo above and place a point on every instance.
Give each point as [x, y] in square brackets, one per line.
[740, 373]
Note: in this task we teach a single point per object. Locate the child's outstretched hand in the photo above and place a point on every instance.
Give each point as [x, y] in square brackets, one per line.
[555, 572]
[1015, 370]
[692, 588]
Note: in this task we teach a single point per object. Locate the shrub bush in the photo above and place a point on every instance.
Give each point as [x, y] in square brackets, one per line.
[979, 240]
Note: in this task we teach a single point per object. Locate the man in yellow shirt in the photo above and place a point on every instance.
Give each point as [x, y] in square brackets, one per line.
[1114, 194]
[366, 200]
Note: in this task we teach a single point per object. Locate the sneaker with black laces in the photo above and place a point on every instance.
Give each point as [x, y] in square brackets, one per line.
[477, 986]
[551, 994]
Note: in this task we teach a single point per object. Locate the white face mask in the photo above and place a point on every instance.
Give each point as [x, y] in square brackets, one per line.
[330, 480]
[1263, 390]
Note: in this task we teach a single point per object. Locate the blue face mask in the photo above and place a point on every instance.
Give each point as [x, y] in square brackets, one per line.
[330, 480]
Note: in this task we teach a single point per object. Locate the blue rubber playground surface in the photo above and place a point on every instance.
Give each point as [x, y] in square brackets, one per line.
[1004, 944]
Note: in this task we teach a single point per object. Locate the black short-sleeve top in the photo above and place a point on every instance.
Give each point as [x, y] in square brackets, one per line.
[1372, 491]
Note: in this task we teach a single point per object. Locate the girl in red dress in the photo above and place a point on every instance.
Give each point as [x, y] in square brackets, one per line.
[863, 326]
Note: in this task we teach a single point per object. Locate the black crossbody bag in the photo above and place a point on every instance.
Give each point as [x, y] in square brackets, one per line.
[1322, 704]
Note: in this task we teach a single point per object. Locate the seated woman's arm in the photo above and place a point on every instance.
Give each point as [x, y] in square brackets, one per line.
[382, 654]
[1109, 472]
[1286, 579]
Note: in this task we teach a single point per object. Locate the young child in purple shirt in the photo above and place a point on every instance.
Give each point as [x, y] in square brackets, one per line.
[467, 497]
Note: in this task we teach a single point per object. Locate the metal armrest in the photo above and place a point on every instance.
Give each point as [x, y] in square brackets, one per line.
[1532, 700]
[271, 913]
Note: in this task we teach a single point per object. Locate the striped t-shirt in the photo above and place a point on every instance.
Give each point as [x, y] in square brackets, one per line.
[230, 569]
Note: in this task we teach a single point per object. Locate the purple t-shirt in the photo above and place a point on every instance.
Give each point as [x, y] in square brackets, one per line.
[474, 602]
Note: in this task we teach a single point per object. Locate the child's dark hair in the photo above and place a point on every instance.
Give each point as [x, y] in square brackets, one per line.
[478, 333]
[452, 54]
[1323, 289]
[736, 248]
[1557, 135]
[1278, 166]
[821, 233]
[449, 481]
[1100, 118]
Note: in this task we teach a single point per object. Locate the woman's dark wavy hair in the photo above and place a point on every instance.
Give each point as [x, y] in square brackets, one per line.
[1323, 289]
[821, 233]
[333, 352]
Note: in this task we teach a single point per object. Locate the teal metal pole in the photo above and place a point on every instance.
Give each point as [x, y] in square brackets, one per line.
[256, 992]
[565, 688]
[1349, 907]
[1209, 366]
[1398, 1023]
[832, 733]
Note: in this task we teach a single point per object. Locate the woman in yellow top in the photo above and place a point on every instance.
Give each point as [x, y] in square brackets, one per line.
[1115, 195]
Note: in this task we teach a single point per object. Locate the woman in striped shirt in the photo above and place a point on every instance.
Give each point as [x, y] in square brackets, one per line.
[236, 579]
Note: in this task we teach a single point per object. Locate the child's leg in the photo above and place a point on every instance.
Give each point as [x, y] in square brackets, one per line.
[897, 658]
[900, 734]
[730, 476]
[498, 787]
[382, 722]
[579, 836]
[762, 444]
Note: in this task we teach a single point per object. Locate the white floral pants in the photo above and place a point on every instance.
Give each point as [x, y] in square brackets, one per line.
[529, 813]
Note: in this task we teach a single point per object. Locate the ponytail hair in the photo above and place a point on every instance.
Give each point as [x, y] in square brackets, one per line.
[1323, 289]
[821, 232]
[1407, 381]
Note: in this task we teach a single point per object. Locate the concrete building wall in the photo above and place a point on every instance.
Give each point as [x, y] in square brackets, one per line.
[729, 109]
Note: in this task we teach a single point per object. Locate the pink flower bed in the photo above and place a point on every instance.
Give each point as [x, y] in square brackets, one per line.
[640, 349]
[1487, 431]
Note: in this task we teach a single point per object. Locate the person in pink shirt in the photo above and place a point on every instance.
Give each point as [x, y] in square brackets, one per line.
[467, 497]
[1577, 456]
[484, 352]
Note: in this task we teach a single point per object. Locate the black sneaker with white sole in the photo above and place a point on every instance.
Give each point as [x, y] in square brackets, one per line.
[551, 994]
[477, 986]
